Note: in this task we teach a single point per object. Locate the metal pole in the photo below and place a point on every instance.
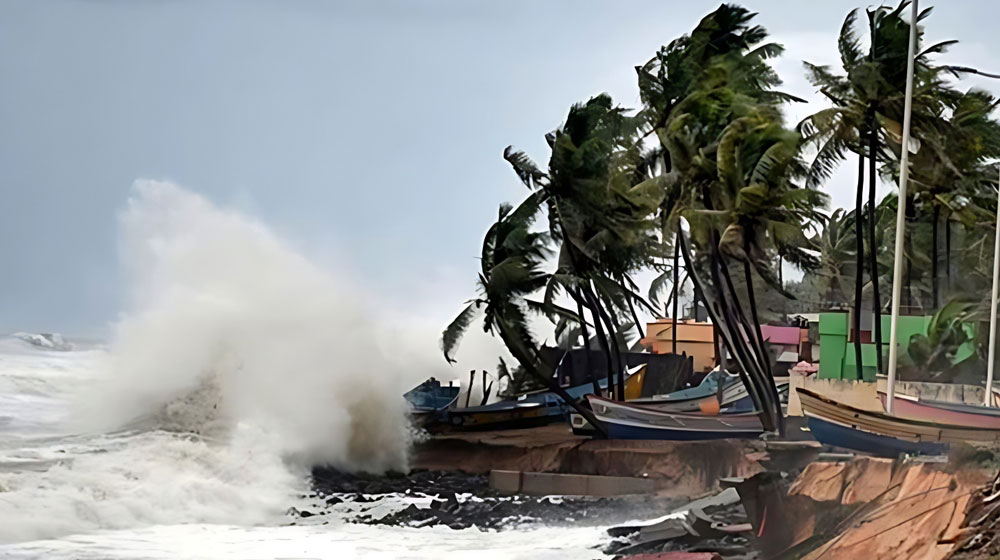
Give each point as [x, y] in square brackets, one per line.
[993, 312]
[904, 175]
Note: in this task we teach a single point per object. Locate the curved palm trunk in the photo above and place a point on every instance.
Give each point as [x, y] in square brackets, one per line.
[602, 340]
[733, 316]
[631, 308]
[872, 247]
[752, 297]
[586, 346]
[757, 378]
[616, 358]
[860, 247]
[620, 370]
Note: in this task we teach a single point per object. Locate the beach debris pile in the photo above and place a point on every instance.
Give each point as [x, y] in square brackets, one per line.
[713, 525]
[980, 536]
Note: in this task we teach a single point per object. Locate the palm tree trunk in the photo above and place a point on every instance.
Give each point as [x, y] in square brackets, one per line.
[936, 217]
[601, 338]
[872, 182]
[751, 296]
[595, 385]
[764, 399]
[615, 350]
[860, 248]
[620, 370]
[631, 307]
[872, 246]
[947, 252]
[677, 292]
[753, 309]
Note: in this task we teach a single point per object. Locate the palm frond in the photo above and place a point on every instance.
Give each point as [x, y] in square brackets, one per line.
[455, 330]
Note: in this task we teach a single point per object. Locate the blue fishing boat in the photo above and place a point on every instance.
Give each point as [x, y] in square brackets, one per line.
[878, 433]
[431, 395]
[837, 435]
[627, 421]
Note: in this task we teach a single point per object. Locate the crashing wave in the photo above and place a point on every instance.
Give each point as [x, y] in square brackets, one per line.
[49, 341]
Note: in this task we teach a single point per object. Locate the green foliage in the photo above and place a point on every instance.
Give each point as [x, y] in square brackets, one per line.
[934, 353]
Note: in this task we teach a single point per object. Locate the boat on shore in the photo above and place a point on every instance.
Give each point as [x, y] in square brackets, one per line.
[431, 395]
[623, 420]
[734, 399]
[959, 414]
[507, 415]
[841, 425]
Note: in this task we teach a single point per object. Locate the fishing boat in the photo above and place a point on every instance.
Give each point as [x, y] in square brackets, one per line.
[431, 395]
[735, 399]
[841, 425]
[959, 414]
[507, 415]
[705, 397]
[429, 400]
[628, 421]
[734, 396]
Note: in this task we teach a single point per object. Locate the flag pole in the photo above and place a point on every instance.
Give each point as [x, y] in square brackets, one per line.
[904, 175]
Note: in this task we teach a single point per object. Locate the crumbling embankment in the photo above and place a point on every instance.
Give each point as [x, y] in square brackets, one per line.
[678, 468]
[864, 508]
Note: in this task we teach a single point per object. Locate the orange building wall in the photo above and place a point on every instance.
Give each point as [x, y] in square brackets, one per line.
[694, 339]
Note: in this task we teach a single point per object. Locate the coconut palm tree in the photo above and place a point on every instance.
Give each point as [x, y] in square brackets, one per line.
[693, 90]
[953, 166]
[767, 213]
[512, 263]
[837, 257]
[601, 213]
[865, 120]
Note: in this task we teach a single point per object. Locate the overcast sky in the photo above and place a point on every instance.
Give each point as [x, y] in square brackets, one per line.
[368, 134]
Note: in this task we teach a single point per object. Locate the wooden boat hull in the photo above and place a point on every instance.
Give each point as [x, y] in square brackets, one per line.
[944, 413]
[502, 419]
[878, 423]
[829, 433]
[623, 430]
[734, 397]
[627, 421]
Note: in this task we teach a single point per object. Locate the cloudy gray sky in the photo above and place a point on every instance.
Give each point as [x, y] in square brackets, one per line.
[369, 134]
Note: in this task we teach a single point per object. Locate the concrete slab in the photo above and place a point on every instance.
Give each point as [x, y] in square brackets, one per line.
[544, 484]
[505, 482]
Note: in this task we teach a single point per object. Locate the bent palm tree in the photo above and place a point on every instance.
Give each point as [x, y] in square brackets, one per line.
[511, 261]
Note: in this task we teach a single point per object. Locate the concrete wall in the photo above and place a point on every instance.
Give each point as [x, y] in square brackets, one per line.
[859, 394]
[694, 339]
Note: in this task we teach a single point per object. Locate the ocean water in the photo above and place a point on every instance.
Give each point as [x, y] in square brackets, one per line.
[148, 491]
[235, 364]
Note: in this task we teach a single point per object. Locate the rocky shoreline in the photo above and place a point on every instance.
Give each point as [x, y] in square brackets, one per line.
[423, 498]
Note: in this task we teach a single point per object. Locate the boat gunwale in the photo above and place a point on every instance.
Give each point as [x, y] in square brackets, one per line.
[880, 423]
[659, 412]
[962, 408]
